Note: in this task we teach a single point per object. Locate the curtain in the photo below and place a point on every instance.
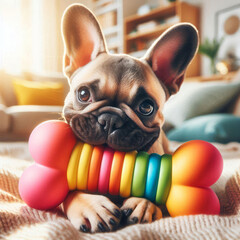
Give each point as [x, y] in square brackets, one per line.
[30, 37]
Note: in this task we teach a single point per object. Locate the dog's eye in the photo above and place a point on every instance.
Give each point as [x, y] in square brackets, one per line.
[83, 94]
[146, 107]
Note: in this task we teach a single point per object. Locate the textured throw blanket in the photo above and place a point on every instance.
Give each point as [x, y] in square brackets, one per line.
[18, 221]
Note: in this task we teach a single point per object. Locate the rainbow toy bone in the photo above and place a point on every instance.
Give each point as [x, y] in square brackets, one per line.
[181, 181]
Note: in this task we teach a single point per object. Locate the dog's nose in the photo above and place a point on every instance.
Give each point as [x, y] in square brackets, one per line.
[110, 122]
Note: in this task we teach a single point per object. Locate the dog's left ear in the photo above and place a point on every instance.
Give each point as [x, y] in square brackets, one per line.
[171, 53]
[82, 37]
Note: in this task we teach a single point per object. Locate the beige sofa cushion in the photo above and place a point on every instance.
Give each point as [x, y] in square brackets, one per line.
[6, 89]
[23, 119]
[2, 102]
[17, 122]
[4, 119]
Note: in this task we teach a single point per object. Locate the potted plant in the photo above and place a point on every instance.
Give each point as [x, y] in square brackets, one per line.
[210, 49]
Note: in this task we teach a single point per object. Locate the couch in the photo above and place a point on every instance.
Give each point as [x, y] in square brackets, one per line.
[18, 120]
[205, 110]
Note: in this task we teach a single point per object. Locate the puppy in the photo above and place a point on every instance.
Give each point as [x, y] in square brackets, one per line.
[117, 100]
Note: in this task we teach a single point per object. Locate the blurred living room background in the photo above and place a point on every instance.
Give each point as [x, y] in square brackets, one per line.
[33, 87]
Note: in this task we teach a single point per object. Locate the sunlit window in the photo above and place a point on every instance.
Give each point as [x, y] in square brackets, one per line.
[30, 39]
[11, 35]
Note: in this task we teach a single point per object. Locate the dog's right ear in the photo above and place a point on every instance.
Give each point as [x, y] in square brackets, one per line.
[170, 55]
[82, 37]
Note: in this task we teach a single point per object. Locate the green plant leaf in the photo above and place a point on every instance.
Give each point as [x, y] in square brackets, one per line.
[210, 48]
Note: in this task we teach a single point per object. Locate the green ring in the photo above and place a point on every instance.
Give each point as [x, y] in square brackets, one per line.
[165, 179]
[140, 174]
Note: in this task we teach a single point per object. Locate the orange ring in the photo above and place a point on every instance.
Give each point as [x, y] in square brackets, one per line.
[116, 172]
[94, 168]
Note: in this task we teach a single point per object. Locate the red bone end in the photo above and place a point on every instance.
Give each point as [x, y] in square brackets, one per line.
[51, 144]
[196, 163]
[42, 187]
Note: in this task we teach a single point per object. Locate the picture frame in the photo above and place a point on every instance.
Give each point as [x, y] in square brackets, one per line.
[227, 29]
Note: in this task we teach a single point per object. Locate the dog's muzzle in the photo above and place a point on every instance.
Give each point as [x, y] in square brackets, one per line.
[112, 128]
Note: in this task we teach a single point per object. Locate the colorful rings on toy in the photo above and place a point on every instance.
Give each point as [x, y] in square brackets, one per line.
[99, 169]
[127, 174]
[164, 180]
[116, 172]
[140, 174]
[83, 166]
[152, 176]
[105, 171]
[72, 170]
[94, 169]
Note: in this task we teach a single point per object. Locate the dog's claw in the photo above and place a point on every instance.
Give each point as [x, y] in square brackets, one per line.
[100, 211]
[127, 212]
[140, 210]
[112, 222]
[84, 228]
[101, 227]
[135, 219]
[117, 213]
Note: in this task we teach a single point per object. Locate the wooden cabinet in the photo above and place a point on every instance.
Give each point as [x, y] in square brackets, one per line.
[216, 77]
[141, 30]
[110, 14]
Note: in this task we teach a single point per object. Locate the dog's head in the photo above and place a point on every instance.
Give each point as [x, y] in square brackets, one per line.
[117, 99]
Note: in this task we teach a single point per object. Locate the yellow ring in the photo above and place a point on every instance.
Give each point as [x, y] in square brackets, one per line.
[127, 174]
[83, 166]
[73, 166]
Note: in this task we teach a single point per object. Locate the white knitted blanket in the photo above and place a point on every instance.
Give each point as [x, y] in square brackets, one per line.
[18, 221]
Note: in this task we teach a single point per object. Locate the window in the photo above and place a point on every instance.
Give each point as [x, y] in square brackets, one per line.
[30, 38]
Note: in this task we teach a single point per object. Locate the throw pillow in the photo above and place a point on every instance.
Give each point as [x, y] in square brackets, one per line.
[222, 128]
[38, 93]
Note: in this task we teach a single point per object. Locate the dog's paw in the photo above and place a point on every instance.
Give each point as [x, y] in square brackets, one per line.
[91, 213]
[139, 210]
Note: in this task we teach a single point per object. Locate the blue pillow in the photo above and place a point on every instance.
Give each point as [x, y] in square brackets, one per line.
[222, 128]
[199, 98]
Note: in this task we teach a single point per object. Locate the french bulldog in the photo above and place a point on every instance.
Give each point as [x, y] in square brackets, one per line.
[117, 100]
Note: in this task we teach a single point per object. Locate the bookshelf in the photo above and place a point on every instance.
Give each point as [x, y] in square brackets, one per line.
[141, 30]
[110, 16]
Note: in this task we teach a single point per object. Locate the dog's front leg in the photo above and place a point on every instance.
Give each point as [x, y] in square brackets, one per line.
[91, 213]
[140, 210]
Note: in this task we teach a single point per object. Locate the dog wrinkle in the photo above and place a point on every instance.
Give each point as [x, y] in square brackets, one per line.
[124, 68]
[132, 115]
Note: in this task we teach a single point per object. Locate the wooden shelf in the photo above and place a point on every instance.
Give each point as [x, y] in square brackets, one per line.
[164, 17]
[138, 54]
[157, 13]
[113, 46]
[151, 33]
[100, 3]
[108, 8]
[110, 16]
[217, 77]
[111, 30]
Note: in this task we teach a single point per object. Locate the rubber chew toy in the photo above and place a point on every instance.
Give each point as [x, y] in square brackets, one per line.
[181, 181]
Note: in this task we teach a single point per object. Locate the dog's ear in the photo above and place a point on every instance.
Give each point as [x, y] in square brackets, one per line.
[82, 37]
[171, 53]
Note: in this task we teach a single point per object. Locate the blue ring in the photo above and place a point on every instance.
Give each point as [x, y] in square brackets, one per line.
[152, 176]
